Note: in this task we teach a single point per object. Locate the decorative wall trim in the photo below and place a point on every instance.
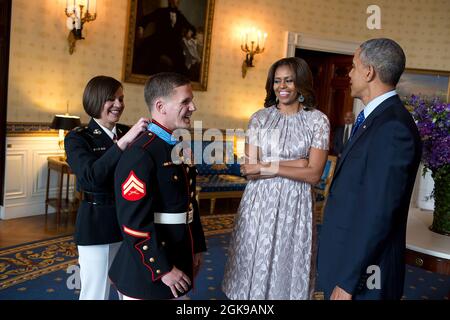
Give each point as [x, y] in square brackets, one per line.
[29, 128]
[25, 209]
[312, 42]
[25, 185]
[40, 129]
[18, 160]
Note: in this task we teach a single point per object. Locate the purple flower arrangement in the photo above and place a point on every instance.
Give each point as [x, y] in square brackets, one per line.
[433, 122]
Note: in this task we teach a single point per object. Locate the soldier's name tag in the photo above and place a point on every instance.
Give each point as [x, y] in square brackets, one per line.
[99, 149]
[168, 164]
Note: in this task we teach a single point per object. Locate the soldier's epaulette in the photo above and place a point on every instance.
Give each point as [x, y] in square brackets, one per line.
[80, 129]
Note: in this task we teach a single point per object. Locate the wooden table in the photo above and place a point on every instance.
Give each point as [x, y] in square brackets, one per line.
[425, 248]
[59, 165]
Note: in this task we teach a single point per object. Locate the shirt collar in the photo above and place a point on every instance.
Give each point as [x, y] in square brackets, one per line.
[162, 132]
[377, 101]
[110, 133]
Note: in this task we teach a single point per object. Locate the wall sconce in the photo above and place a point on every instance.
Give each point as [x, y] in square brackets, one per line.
[77, 17]
[252, 42]
[64, 123]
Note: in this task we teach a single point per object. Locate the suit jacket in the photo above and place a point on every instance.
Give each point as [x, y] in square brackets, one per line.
[338, 144]
[92, 156]
[366, 212]
[146, 181]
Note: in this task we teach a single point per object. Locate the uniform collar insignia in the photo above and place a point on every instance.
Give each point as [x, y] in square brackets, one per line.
[97, 132]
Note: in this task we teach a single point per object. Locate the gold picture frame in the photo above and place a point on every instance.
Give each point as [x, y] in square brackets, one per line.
[428, 84]
[176, 37]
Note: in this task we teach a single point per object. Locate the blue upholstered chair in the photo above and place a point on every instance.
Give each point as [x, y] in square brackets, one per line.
[218, 180]
[322, 189]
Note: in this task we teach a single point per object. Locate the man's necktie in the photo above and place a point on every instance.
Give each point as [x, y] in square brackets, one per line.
[359, 120]
[346, 132]
[114, 138]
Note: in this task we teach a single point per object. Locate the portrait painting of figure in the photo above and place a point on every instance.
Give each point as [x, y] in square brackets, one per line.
[169, 35]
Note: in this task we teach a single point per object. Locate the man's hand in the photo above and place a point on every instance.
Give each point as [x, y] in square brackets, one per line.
[176, 280]
[340, 294]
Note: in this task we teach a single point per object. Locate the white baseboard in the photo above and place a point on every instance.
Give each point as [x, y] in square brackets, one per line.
[25, 210]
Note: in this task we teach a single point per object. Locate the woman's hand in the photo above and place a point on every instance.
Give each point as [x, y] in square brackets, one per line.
[250, 169]
[135, 130]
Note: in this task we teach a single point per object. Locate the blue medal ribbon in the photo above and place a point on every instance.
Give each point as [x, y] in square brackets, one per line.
[163, 134]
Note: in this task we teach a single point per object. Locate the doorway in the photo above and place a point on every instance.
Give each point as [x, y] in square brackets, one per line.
[331, 83]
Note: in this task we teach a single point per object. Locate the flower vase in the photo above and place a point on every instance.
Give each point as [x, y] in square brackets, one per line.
[425, 198]
[441, 216]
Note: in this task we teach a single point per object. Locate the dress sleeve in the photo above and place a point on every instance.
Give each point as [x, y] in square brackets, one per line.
[321, 132]
[253, 133]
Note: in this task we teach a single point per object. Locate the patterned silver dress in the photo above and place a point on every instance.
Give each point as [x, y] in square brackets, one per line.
[271, 249]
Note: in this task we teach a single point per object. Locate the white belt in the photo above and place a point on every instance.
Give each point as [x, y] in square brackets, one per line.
[174, 217]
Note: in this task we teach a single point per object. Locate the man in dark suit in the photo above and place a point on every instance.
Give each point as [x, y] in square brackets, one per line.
[362, 241]
[342, 133]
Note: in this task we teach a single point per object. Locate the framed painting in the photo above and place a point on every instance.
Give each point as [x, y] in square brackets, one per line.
[426, 83]
[168, 35]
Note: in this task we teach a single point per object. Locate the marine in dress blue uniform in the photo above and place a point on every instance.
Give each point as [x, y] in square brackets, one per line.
[158, 216]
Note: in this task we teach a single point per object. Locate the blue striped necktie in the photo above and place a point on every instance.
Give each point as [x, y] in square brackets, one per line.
[359, 120]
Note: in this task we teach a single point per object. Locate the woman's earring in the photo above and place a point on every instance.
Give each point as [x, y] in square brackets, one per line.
[301, 98]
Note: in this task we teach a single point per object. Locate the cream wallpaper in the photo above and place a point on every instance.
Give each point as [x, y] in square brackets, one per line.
[44, 77]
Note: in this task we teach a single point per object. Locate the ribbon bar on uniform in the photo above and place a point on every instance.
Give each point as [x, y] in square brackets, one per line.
[174, 217]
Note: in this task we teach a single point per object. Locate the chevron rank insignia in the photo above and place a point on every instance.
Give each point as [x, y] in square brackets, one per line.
[133, 189]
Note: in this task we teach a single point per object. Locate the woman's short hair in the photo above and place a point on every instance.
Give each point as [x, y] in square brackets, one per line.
[99, 90]
[303, 81]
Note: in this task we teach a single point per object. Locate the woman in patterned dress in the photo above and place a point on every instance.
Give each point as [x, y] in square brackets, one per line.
[271, 253]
